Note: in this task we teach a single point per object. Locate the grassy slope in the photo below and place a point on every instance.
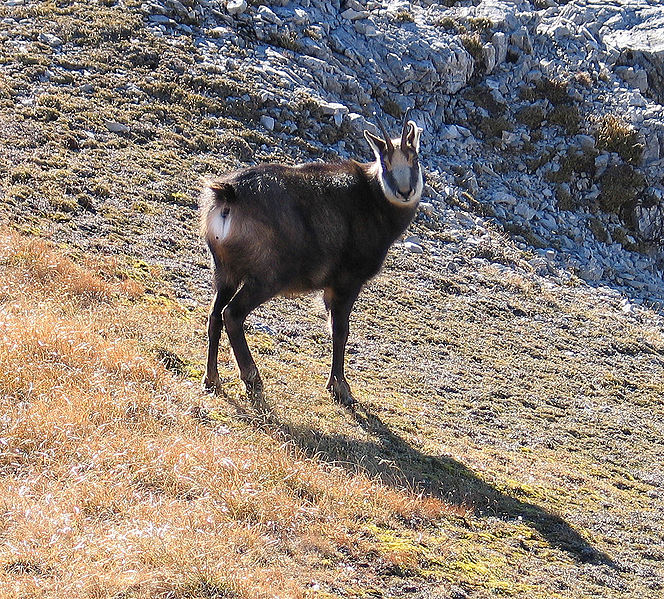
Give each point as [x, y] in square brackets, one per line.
[118, 478]
[508, 439]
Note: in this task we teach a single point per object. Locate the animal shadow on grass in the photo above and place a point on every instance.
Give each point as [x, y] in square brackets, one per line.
[390, 458]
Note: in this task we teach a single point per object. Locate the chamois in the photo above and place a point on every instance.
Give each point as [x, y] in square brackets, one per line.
[274, 230]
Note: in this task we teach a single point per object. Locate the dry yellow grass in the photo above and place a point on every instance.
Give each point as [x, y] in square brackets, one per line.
[117, 481]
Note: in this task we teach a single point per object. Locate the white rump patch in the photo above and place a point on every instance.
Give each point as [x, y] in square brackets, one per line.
[219, 226]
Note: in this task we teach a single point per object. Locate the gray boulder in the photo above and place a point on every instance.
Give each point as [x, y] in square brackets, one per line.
[637, 33]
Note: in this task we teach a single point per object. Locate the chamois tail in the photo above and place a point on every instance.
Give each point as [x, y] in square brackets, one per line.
[223, 192]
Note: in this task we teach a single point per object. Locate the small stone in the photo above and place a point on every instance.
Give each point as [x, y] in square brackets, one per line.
[357, 122]
[114, 127]
[499, 41]
[489, 57]
[602, 161]
[414, 248]
[635, 98]
[365, 28]
[450, 132]
[524, 210]
[560, 31]
[52, 40]
[268, 15]
[533, 75]
[161, 20]
[591, 272]
[586, 142]
[268, 122]
[354, 15]
[177, 7]
[236, 7]
[521, 39]
[503, 197]
[635, 77]
[301, 17]
[354, 4]
[333, 108]
[510, 138]
[626, 307]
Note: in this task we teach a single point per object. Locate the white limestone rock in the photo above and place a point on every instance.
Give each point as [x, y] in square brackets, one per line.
[115, 127]
[52, 40]
[236, 7]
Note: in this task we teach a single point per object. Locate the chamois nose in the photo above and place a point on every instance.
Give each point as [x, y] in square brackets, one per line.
[406, 194]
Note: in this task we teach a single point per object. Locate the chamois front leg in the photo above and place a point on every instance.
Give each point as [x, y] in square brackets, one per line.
[251, 295]
[340, 305]
[211, 381]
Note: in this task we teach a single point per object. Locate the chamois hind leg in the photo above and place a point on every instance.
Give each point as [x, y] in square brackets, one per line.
[225, 292]
[251, 295]
[340, 304]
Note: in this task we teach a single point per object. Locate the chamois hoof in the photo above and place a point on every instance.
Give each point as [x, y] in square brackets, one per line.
[212, 384]
[340, 391]
[254, 385]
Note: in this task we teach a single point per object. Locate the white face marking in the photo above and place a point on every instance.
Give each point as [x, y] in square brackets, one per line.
[419, 188]
[401, 173]
[219, 226]
[414, 196]
[401, 181]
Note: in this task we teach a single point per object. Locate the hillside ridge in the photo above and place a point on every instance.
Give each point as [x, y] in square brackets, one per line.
[534, 117]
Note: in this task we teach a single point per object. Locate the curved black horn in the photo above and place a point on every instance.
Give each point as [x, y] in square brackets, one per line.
[404, 130]
[388, 139]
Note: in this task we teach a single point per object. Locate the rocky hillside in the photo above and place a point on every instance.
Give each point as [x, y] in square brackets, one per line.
[509, 362]
[543, 118]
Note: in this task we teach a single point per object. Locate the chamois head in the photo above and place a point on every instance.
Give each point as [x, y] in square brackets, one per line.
[397, 167]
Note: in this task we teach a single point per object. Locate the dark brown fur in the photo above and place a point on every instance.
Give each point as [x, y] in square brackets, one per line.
[294, 230]
[305, 229]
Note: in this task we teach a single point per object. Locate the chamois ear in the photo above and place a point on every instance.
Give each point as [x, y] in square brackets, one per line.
[377, 144]
[413, 136]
